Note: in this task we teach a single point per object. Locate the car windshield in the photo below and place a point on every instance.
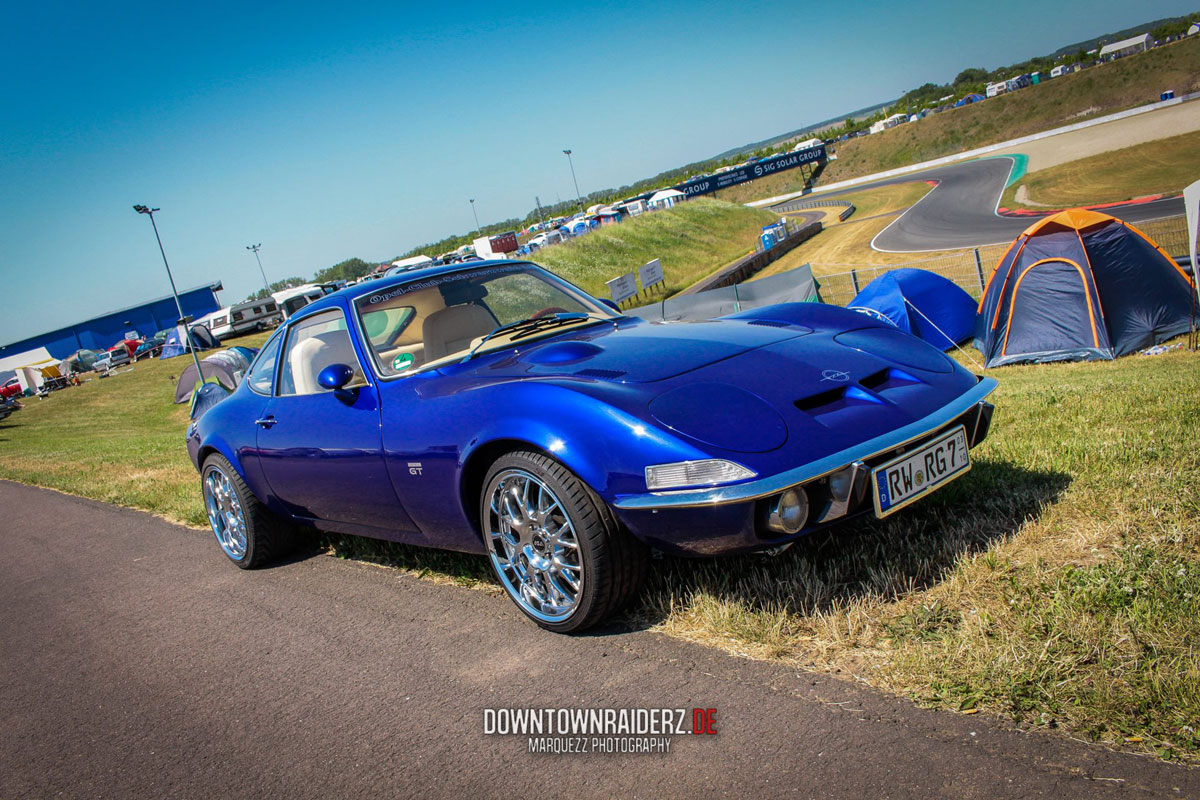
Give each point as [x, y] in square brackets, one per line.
[438, 320]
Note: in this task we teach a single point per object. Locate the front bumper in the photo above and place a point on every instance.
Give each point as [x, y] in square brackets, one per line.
[970, 405]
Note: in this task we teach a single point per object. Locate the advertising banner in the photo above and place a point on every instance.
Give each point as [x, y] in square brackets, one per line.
[759, 169]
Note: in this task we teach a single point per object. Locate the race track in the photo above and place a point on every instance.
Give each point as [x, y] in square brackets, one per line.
[960, 211]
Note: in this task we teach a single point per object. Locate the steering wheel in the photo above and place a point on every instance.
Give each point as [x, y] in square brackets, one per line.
[549, 310]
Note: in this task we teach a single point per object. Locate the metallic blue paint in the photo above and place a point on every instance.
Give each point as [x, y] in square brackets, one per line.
[790, 391]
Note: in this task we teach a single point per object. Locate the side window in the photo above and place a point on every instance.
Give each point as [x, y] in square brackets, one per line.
[261, 376]
[313, 344]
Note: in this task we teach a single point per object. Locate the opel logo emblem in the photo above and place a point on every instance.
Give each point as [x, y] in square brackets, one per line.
[835, 375]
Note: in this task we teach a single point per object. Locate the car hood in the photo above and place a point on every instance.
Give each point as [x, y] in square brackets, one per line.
[632, 351]
[775, 388]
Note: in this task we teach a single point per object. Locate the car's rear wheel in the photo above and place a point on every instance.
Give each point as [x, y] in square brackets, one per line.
[248, 533]
[556, 547]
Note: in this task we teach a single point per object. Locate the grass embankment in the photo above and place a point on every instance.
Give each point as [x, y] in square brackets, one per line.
[1154, 168]
[1073, 98]
[1057, 583]
[693, 239]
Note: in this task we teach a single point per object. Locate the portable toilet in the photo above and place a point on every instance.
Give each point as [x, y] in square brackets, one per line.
[768, 239]
[1169, 94]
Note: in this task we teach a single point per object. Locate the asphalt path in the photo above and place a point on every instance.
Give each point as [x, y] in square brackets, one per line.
[136, 662]
[960, 211]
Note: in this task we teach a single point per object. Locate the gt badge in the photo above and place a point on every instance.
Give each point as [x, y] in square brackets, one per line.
[414, 468]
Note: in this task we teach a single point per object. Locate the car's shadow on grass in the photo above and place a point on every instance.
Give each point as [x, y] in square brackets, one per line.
[863, 558]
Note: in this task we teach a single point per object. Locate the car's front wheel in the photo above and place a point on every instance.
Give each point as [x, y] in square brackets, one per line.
[248, 533]
[556, 547]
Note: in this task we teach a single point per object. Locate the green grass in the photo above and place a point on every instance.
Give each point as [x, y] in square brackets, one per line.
[692, 240]
[1056, 583]
[1061, 101]
[1138, 171]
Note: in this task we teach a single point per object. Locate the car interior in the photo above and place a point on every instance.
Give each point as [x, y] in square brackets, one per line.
[439, 323]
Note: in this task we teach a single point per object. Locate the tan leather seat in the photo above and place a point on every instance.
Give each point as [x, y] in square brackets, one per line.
[454, 328]
[316, 353]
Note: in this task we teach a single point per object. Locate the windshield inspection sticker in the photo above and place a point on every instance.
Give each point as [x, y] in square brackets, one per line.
[402, 362]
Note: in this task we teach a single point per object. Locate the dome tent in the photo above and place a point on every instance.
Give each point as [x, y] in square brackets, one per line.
[919, 302]
[1080, 285]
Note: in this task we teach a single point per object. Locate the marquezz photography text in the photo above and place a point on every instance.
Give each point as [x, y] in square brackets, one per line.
[599, 730]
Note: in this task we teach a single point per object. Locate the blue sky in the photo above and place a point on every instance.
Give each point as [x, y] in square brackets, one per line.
[360, 129]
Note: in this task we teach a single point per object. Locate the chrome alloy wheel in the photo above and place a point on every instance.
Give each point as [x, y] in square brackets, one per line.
[533, 546]
[225, 513]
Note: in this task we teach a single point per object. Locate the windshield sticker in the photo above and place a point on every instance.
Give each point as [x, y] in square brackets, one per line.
[402, 362]
[383, 297]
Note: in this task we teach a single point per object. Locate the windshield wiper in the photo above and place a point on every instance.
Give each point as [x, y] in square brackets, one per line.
[523, 328]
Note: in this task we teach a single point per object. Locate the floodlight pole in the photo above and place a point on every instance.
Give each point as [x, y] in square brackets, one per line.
[478, 231]
[578, 196]
[261, 271]
[141, 209]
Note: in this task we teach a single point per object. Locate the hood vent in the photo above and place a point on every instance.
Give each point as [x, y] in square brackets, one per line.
[834, 400]
[609, 374]
[770, 323]
[888, 378]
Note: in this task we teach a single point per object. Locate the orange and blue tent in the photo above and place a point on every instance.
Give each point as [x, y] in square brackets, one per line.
[1077, 286]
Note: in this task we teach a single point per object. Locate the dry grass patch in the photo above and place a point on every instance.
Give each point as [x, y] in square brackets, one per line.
[849, 242]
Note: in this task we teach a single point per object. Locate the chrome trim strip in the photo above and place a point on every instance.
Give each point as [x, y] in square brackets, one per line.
[753, 490]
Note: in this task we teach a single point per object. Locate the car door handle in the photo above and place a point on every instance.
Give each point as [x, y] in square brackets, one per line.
[266, 421]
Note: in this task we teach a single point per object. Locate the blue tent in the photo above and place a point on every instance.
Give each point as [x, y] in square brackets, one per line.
[175, 344]
[1081, 286]
[921, 303]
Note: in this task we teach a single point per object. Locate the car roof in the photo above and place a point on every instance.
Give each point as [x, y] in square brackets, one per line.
[352, 293]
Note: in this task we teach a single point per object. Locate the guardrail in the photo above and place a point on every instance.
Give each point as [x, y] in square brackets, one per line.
[801, 205]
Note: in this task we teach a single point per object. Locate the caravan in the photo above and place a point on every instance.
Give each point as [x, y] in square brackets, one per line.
[292, 300]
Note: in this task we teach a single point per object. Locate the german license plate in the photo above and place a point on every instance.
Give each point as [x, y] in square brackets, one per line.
[916, 474]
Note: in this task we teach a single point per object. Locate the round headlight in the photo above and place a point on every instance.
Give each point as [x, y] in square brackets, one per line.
[789, 511]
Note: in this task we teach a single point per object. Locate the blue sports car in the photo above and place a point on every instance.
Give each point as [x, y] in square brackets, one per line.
[495, 408]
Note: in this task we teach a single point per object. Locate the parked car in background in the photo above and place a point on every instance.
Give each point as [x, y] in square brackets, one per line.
[149, 348]
[11, 388]
[495, 408]
[114, 356]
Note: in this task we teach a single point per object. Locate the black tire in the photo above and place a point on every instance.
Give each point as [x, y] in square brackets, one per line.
[267, 537]
[614, 563]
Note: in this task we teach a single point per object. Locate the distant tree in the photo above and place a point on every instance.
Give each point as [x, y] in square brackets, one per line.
[971, 75]
[350, 269]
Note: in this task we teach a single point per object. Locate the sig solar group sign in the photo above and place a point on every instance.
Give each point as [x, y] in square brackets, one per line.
[759, 169]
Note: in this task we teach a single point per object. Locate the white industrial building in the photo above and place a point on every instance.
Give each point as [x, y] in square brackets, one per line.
[1126, 47]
